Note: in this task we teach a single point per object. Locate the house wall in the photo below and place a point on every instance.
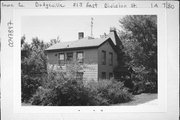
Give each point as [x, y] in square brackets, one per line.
[106, 68]
[90, 61]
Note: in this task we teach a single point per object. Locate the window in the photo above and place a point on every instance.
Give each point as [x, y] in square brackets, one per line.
[69, 56]
[103, 57]
[61, 59]
[110, 58]
[79, 75]
[80, 57]
[110, 75]
[103, 75]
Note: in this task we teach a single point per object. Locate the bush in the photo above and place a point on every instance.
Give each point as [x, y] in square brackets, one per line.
[29, 86]
[69, 93]
[114, 91]
[145, 82]
[151, 87]
[59, 89]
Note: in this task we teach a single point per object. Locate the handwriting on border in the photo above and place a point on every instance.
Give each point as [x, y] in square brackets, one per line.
[10, 33]
[49, 5]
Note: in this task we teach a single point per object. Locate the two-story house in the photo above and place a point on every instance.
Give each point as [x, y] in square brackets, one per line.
[98, 53]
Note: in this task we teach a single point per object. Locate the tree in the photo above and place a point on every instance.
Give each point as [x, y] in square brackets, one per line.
[139, 37]
[54, 41]
[33, 66]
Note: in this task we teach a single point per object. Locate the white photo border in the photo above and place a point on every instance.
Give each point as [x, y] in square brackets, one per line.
[162, 61]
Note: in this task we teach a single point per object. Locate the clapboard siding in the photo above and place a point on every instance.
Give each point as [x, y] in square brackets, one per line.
[91, 72]
[90, 56]
[90, 61]
[106, 68]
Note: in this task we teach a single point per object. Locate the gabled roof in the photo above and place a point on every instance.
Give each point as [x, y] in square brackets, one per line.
[82, 43]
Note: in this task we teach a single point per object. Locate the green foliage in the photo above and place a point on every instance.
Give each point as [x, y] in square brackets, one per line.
[139, 37]
[29, 86]
[61, 90]
[33, 66]
[114, 91]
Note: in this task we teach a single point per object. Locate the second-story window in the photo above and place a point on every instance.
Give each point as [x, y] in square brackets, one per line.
[69, 57]
[110, 58]
[80, 57]
[103, 75]
[103, 57]
[61, 58]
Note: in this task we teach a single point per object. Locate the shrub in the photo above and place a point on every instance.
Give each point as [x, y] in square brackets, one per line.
[58, 89]
[151, 87]
[114, 91]
[29, 86]
[145, 82]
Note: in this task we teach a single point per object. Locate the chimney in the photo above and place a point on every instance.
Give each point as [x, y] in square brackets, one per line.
[80, 35]
[112, 29]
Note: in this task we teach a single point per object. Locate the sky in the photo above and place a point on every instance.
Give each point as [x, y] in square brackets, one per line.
[66, 27]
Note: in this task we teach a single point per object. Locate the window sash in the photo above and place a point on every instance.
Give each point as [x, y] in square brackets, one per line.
[69, 56]
[61, 58]
[110, 75]
[111, 58]
[80, 57]
[103, 75]
[104, 57]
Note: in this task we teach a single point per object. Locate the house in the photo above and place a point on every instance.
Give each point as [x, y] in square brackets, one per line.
[100, 54]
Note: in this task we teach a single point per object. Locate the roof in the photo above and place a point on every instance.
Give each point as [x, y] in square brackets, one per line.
[82, 43]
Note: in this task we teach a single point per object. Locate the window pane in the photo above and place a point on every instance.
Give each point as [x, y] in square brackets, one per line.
[110, 75]
[103, 57]
[103, 75]
[61, 56]
[69, 56]
[80, 57]
[61, 59]
[111, 58]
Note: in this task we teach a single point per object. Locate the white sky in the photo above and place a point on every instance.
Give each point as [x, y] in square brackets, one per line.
[66, 27]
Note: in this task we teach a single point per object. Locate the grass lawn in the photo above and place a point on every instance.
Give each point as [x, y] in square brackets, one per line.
[141, 99]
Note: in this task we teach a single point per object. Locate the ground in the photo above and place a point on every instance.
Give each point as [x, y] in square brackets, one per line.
[142, 99]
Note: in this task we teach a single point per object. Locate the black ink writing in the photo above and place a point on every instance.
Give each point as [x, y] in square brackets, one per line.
[10, 33]
[133, 5]
[78, 4]
[20, 4]
[91, 5]
[114, 5]
[168, 5]
[7, 5]
[49, 5]
[154, 5]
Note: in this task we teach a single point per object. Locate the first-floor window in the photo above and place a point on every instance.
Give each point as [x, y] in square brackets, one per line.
[80, 57]
[79, 75]
[110, 75]
[61, 59]
[69, 56]
[103, 75]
